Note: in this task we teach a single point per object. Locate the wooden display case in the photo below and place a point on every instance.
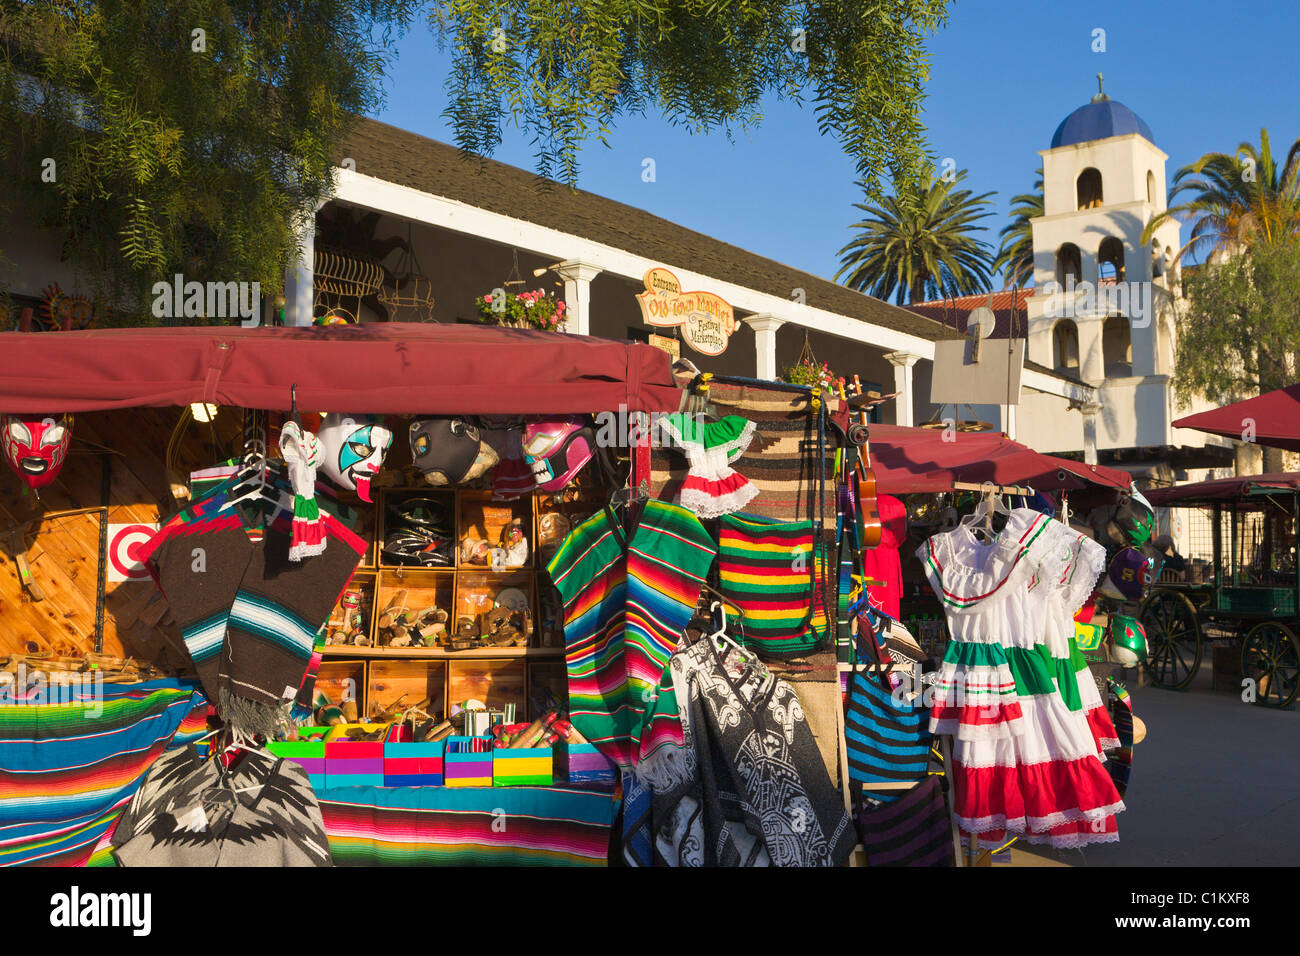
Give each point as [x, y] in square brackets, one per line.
[342, 680]
[443, 501]
[548, 678]
[388, 680]
[480, 520]
[360, 589]
[495, 682]
[411, 592]
[495, 674]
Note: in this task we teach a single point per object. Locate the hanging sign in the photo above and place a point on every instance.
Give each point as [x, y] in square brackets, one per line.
[669, 344]
[706, 320]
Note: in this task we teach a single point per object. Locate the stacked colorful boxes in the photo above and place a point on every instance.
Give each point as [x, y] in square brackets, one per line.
[414, 765]
[308, 754]
[530, 766]
[587, 765]
[354, 763]
[467, 762]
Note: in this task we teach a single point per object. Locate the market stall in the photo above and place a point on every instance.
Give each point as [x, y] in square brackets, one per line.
[80, 597]
[415, 576]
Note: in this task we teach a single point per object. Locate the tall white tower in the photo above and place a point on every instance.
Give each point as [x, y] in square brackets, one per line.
[1101, 303]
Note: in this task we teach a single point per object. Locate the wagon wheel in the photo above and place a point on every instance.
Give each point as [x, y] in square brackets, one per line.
[1270, 656]
[1173, 639]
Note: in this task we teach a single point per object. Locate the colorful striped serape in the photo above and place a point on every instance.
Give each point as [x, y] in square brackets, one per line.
[624, 612]
[765, 569]
[668, 559]
[68, 770]
[467, 826]
[591, 575]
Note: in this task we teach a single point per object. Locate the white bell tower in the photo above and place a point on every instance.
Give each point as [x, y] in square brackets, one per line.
[1100, 308]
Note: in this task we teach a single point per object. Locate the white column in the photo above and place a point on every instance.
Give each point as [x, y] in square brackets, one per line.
[765, 325]
[1009, 421]
[299, 279]
[1092, 366]
[1090, 433]
[904, 414]
[577, 275]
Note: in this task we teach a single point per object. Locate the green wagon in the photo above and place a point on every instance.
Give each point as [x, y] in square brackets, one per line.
[1239, 538]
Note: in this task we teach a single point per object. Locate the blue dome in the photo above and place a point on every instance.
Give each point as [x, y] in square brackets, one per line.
[1099, 120]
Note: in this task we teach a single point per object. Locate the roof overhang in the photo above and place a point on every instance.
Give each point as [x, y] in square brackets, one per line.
[408, 203]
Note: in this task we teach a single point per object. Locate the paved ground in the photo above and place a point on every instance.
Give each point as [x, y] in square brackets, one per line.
[1215, 783]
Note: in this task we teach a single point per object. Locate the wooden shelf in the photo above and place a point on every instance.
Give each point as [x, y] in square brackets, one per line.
[459, 589]
[441, 654]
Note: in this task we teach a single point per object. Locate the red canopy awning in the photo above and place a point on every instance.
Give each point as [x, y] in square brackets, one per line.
[1220, 489]
[911, 460]
[1273, 418]
[392, 368]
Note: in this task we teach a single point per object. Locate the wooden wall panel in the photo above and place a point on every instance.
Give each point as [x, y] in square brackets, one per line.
[63, 549]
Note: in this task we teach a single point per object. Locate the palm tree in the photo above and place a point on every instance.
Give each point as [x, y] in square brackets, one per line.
[1237, 203]
[918, 243]
[1235, 200]
[1016, 253]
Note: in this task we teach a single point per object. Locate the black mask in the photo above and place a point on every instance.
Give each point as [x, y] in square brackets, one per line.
[449, 451]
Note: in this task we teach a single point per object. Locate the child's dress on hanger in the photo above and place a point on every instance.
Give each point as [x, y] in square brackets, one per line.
[1024, 762]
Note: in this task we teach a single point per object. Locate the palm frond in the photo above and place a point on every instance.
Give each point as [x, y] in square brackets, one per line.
[920, 242]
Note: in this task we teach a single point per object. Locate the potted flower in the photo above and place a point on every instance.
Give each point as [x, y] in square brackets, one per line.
[816, 376]
[537, 309]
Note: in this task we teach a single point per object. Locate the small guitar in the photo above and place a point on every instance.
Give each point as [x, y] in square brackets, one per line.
[870, 529]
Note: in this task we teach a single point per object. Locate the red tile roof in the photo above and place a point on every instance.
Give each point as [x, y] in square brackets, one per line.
[953, 312]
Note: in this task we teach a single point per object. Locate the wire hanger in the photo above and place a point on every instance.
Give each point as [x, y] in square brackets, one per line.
[722, 640]
[990, 504]
[236, 742]
[257, 468]
[628, 494]
[253, 475]
[238, 745]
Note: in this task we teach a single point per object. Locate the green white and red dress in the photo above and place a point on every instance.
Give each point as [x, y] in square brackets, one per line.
[1083, 562]
[1025, 763]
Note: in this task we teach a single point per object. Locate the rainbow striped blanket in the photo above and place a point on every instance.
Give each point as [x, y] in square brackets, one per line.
[68, 769]
[468, 826]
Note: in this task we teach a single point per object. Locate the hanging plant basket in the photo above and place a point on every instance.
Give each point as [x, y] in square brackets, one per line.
[808, 371]
[524, 310]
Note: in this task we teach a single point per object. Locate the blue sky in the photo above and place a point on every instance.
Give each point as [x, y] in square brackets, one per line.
[1003, 75]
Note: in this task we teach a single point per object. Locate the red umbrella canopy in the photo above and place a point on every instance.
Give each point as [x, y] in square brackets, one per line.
[910, 460]
[1271, 419]
[1221, 489]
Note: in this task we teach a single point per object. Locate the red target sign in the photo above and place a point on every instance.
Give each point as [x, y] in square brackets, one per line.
[124, 541]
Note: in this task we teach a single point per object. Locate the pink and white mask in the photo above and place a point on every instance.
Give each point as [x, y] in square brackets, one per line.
[557, 450]
[354, 447]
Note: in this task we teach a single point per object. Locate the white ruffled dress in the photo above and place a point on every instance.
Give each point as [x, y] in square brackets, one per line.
[1026, 763]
